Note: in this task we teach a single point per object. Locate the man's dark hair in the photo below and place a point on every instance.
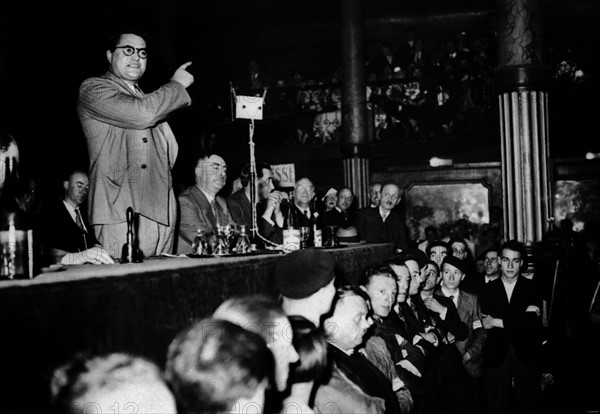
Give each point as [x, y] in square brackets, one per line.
[379, 269]
[516, 246]
[115, 38]
[311, 344]
[245, 173]
[437, 243]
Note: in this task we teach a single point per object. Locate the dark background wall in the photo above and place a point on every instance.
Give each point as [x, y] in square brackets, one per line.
[48, 48]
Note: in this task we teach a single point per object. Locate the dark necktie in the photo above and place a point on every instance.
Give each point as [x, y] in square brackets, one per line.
[79, 223]
[213, 206]
[306, 214]
[78, 220]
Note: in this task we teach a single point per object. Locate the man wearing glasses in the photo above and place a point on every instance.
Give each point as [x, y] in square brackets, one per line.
[131, 147]
[200, 208]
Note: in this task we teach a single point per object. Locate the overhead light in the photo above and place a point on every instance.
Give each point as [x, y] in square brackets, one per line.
[592, 155]
[440, 162]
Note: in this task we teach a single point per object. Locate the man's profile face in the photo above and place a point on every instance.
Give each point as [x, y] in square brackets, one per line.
[404, 279]
[304, 192]
[510, 263]
[130, 68]
[375, 194]
[265, 184]
[390, 197]
[211, 174]
[431, 277]
[349, 322]
[76, 189]
[416, 278]
[491, 264]
[344, 199]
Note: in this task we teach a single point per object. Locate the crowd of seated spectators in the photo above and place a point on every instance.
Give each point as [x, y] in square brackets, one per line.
[418, 333]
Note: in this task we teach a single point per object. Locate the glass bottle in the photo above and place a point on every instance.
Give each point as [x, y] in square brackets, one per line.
[16, 235]
[222, 246]
[242, 246]
[291, 232]
[199, 245]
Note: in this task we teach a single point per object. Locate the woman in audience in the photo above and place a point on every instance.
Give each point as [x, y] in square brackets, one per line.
[216, 366]
[115, 382]
[311, 371]
[262, 315]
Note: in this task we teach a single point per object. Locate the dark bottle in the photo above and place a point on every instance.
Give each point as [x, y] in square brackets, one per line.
[291, 232]
[130, 253]
[291, 221]
[316, 231]
[16, 235]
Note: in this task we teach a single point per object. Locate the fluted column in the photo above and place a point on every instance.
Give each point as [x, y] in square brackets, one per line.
[522, 82]
[354, 99]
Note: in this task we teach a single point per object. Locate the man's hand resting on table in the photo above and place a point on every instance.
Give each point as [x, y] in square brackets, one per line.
[95, 255]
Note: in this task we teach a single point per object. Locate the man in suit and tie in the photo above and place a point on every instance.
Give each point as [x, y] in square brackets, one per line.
[66, 235]
[130, 146]
[200, 208]
[339, 216]
[382, 225]
[304, 192]
[511, 310]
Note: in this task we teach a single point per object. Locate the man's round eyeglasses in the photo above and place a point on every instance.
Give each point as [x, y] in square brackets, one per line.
[130, 50]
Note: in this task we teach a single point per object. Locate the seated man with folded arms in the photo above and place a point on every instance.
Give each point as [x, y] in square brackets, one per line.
[110, 383]
[347, 328]
[239, 204]
[66, 235]
[380, 283]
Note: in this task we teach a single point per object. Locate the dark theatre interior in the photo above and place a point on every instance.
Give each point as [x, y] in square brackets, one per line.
[502, 134]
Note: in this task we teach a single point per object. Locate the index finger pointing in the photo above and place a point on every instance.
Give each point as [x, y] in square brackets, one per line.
[185, 65]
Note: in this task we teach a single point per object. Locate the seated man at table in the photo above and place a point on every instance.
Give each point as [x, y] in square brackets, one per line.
[339, 216]
[200, 208]
[239, 202]
[382, 225]
[66, 234]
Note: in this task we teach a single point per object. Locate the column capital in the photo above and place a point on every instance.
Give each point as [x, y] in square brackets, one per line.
[519, 77]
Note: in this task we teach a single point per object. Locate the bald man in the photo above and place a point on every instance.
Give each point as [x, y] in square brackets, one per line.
[200, 208]
[66, 234]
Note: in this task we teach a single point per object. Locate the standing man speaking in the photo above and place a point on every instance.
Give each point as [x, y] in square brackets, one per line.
[131, 147]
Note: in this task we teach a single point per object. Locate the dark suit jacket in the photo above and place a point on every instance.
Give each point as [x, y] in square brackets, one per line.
[373, 229]
[301, 219]
[59, 231]
[522, 328]
[334, 217]
[196, 214]
[363, 373]
[470, 313]
[240, 209]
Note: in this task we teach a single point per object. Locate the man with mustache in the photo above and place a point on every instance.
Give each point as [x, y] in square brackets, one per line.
[200, 208]
[382, 225]
[130, 146]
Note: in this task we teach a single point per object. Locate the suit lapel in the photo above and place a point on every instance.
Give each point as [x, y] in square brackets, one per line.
[205, 208]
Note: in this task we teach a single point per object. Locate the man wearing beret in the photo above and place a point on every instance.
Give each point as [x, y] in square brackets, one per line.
[305, 280]
[467, 304]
